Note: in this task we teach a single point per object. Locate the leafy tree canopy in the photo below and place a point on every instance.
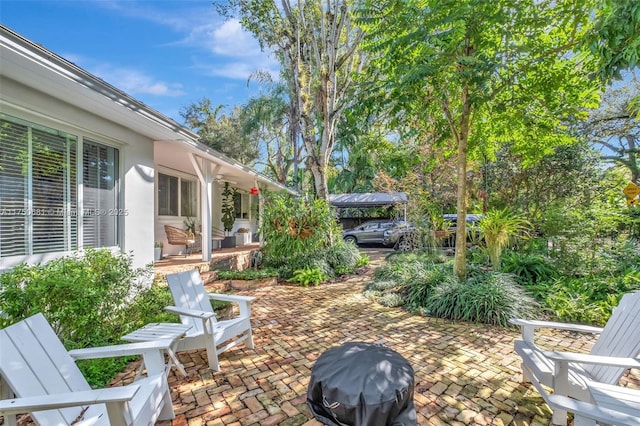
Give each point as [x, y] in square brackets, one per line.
[223, 132]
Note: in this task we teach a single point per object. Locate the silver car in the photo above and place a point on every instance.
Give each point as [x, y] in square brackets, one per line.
[371, 232]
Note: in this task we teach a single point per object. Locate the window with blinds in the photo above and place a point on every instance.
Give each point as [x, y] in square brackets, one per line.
[100, 195]
[39, 211]
[38, 185]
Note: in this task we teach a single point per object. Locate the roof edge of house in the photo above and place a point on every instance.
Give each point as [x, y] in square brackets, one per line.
[96, 84]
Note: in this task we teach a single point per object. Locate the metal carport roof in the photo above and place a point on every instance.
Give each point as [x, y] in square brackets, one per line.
[369, 199]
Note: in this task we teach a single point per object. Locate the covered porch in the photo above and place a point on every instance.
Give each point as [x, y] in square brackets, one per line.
[192, 185]
[236, 257]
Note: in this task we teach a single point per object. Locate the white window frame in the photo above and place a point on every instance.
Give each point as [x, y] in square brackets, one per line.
[245, 205]
[181, 176]
[118, 188]
[71, 244]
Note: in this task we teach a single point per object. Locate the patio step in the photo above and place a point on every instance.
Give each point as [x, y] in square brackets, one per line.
[209, 276]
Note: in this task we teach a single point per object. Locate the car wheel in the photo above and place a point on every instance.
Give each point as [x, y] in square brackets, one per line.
[403, 245]
[350, 239]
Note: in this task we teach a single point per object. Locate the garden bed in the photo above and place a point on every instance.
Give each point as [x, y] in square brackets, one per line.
[240, 284]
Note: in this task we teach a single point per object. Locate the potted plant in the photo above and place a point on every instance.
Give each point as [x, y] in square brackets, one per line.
[157, 251]
[190, 225]
[441, 227]
[243, 236]
[228, 214]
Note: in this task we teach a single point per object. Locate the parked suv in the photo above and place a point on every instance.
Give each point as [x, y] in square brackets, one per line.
[401, 237]
[370, 232]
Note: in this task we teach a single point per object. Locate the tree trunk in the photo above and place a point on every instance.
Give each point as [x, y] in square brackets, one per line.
[460, 260]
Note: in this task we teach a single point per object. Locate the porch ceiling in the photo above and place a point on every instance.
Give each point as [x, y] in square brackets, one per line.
[175, 154]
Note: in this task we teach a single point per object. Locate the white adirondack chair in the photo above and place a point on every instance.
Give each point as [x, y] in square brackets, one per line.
[570, 374]
[614, 405]
[42, 374]
[194, 307]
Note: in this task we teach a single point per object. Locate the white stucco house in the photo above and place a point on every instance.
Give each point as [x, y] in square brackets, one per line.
[83, 164]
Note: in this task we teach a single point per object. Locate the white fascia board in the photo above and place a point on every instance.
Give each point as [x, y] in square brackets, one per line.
[32, 65]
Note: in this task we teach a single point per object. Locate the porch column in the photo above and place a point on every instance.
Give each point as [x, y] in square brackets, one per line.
[260, 210]
[205, 175]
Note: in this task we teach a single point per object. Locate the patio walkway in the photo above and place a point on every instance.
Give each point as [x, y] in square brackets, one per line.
[464, 373]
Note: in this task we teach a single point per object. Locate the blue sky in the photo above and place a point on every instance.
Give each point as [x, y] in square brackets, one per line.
[165, 53]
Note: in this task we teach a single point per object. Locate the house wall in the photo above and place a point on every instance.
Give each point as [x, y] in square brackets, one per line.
[135, 157]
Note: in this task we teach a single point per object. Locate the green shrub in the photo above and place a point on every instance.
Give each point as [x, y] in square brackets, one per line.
[248, 274]
[382, 285]
[528, 268]
[491, 298]
[392, 300]
[84, 297]
[421, 287]
[148, 306]
[294, 226]
[425, 257]
[499, 227]
[401, 272]
[588, 300]
[314, 260]
[308, 276]
[342, 257]
[363, 261]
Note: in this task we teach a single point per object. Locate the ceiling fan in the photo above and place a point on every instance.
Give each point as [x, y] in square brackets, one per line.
[221, 178]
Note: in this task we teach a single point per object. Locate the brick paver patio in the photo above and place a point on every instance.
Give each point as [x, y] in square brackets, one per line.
[465, 374]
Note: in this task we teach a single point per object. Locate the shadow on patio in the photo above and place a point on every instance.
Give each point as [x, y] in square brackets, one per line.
[464, 373]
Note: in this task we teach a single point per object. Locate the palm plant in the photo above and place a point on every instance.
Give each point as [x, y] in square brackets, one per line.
[498, 227]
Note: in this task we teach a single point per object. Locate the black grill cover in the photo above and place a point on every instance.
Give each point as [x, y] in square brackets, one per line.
[362, 384]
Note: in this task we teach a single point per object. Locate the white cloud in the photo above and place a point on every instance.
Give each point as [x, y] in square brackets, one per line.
[238, 70]
[202, 28]
[229, 39]
[129, 80]
[136, 82]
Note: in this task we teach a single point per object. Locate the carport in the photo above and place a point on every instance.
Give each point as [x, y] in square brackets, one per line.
[370, 200]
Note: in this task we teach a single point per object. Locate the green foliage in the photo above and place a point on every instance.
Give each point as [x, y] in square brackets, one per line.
[587, 300]
[420, 289]
[224, 132]
[363, 261]
[406, 279]
[392, 300]
[304, 235]
[498, 228]
[84, 297]
[248, 274]
[228, 207]
[528, 268]
[308, 276]
[315, 260]
[148, 306]
[489, 298]
[615, 41]
[294, 226]
[425, 284]
[381, 285]
[400, 272]
[342, 257]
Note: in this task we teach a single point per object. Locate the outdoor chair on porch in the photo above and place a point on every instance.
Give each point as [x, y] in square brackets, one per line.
[180, 237]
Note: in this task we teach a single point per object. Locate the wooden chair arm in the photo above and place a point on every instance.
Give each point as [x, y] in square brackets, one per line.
[118, 394]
